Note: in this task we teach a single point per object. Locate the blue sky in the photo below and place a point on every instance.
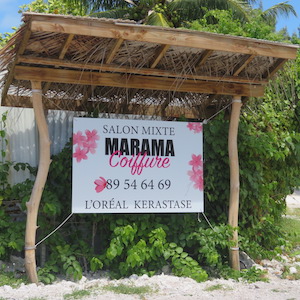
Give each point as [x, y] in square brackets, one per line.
[10, 17]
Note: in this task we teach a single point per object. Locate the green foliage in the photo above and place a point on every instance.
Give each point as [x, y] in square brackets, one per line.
[66, 255]
[8, 278]
[148, 254]
[4, 37]
[253, 274]
[51, 7]
[11, 232]
[211, 244]
[222, 21]
[46, 275]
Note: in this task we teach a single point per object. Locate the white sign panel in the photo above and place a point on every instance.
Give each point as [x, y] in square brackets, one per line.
[130, 166]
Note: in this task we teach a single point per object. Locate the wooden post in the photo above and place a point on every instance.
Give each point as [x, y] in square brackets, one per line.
[234, 180]
[36, 194]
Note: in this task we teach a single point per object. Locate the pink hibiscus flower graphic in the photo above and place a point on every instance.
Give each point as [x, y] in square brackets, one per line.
[198, 185]
[90, 147]
[196, 127]
[190, 126]
[85, 144]
[100, 184]
[196, 161]
[80, 153]
[92, 136]
[196, 174]
[78, 139]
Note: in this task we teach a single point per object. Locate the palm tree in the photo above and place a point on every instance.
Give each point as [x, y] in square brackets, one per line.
[169, 13]
[271, 14]
[172, 13]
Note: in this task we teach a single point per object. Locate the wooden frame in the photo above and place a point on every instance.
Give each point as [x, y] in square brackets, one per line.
[136, 81]
[29, 63]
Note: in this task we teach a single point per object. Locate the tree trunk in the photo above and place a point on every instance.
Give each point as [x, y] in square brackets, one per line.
[234, 180]
[36, 194]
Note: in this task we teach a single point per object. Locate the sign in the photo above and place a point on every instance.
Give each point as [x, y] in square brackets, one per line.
[137, 166]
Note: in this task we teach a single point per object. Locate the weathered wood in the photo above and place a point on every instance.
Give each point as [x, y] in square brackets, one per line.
[66, 46]
[157, 35]
[159, 55]
[114, 50]
[62, 54]
[36, 194]
[104, 107]
[277, 65]
[128, 70]
[136, 81]
[234, 180]
[203, 58]
[20, 51]
[243, 65]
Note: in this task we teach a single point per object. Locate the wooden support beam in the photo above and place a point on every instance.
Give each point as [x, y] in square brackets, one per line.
[203, 58]
[66, 46]
[276, 66]
[114, 50]
[234, 180]
[156, 35]
[20, 51]
[159, 55]
[36, 194]
[243, 64]
[136, 81]
[128, 70]
[104, 107]
[62, 54]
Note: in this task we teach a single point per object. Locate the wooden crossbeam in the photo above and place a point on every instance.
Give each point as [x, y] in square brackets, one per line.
[128, 70]
[66, 46]
[61, 56]
[203, 58]
[156, 35]
[136, 81]
[274, 68]
[159, 55]
[103, 107]
[240, 67]
[114, 50]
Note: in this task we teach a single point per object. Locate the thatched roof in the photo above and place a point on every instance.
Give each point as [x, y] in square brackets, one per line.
[123, 67]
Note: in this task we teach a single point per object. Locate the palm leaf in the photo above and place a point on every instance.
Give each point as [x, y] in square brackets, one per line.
[119, 13]
[281, 9]
[157, 19]
[195, 9]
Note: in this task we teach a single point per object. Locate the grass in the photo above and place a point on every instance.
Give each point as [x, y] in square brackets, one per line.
[217, 287]
[292, 228]
[293, 212]
[78, 294]
[287, 275]
[278, 291]
[129, 289]
[7, 278]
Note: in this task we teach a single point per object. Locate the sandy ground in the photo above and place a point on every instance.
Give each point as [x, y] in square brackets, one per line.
[166, 287]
